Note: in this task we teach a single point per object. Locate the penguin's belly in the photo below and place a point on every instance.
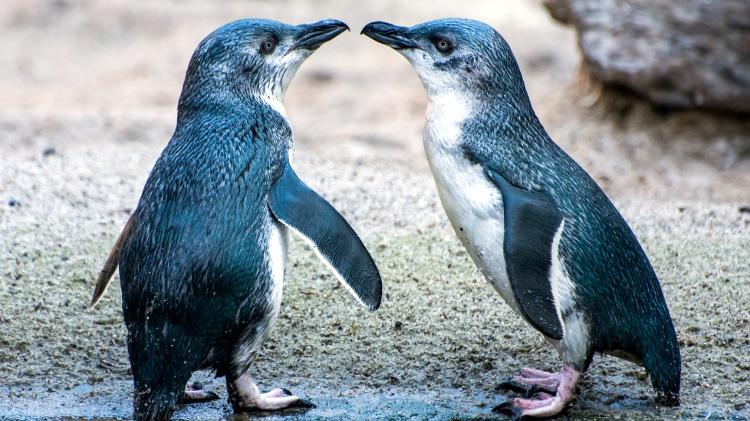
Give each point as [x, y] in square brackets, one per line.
[254, 335]
[475, 209]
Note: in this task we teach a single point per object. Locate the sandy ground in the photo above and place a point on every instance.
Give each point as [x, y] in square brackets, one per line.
[88, 101]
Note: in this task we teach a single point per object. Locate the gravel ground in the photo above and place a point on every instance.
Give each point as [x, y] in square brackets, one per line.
[88, 102]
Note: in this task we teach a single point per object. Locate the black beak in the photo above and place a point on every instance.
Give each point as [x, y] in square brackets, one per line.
[396, 37]
[313, 35]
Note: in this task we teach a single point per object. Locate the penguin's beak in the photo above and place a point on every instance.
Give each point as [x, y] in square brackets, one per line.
[312, 35]
[394, 36]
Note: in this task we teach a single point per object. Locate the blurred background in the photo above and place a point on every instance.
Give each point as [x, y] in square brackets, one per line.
[114, 69]
[650, 98]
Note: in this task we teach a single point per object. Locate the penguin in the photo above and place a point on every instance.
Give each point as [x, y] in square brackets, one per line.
[202, 257]
[539, 228]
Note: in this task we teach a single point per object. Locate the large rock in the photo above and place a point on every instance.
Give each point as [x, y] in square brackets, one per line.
[681, 53]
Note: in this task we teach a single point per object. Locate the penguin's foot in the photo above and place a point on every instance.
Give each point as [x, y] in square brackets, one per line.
[194, 393]
[530, 381]
[544, 405]
[245, 396]
[529, 372]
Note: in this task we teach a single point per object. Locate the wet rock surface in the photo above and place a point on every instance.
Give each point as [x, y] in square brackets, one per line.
[684, 54]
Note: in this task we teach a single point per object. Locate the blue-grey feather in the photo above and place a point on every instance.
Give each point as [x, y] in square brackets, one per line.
[617, 288]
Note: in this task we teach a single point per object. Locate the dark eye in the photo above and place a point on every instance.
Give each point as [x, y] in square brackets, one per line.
[267, 46]
[443, 45]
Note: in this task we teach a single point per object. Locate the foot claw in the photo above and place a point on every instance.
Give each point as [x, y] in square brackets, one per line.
[297, 405]
[518, 387]
[503, 406]
[278, 393]
[303, 403]
[512, 386]
[507, 408]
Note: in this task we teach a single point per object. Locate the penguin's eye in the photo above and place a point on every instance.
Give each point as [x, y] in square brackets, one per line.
[443, 45]
[267, 46]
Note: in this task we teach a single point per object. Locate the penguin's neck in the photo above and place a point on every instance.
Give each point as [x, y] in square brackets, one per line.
[446, 114]
[274, 98]
[464, 189]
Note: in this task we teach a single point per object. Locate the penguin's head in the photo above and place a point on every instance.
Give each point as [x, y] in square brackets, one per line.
[454, 56]
[253, 57]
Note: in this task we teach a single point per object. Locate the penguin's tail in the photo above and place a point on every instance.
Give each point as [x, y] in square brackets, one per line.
[154, 405]
[162, 362]
[110, 265]
[159, 383]
[663, 363]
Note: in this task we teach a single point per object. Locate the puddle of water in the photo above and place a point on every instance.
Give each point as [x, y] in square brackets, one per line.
[112, 401]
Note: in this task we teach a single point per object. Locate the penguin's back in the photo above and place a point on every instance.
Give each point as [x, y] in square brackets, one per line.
[613, 281]
[198, 254]
[613, 284]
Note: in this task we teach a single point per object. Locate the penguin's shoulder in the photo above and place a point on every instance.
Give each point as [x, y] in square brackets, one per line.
[203, 191]
[597, 235]
[220, 151]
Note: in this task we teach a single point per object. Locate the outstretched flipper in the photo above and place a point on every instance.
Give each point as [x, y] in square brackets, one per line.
[531, 222]
[105, 275]
[300, 208]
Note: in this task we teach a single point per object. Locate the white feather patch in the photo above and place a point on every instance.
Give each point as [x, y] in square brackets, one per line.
[472, 202]
[574, 345]
[253, 337]
[277, 250]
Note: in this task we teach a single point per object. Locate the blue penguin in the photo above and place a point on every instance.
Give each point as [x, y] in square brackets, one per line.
[201, 259]
[538, 227]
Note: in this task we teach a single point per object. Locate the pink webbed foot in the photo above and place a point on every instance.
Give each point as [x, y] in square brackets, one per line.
[194, 393]
[531, 381]
[545, 405]
[529, 372]
[245, 396]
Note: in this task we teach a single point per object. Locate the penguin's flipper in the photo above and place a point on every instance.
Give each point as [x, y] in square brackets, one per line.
[531, 222]
[105, 275]
[297, 206]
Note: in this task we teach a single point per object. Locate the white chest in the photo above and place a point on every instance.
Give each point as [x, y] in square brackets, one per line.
[255, 334]
[277, 250]
[473, 204]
